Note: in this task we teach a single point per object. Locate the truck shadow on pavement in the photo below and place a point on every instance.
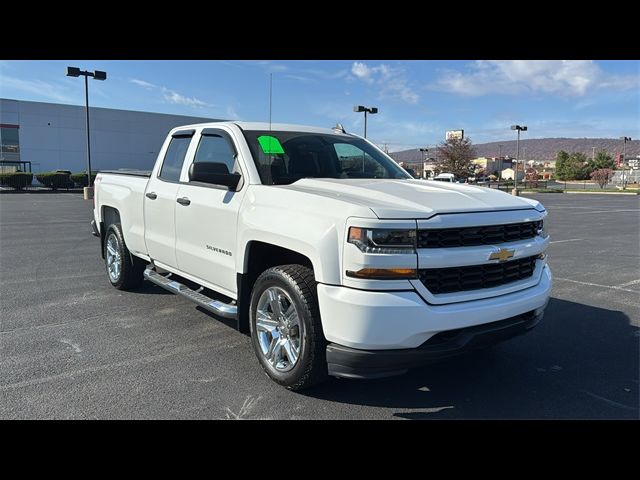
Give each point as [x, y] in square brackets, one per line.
[580, 362]
[148, 288]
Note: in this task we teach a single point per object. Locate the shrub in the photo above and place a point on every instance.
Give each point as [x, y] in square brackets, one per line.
[80, 179]
[55, 180]
[17, 180]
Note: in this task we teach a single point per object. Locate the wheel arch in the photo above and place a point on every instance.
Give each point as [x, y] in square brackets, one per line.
[258, 257]
[108, 216]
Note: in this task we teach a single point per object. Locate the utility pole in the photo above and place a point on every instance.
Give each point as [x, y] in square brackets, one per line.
[593, 154]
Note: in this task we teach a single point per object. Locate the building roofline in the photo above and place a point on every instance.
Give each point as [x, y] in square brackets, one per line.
[112, 109]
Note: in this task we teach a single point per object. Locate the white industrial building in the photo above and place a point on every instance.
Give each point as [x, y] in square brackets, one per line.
[53, 136]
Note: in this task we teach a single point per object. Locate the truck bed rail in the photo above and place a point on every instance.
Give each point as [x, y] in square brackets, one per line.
[125, 171]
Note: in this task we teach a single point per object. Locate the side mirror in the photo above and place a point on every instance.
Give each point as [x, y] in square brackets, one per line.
[215, 174]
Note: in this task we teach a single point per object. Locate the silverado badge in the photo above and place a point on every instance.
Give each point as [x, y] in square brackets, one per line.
[503, 254]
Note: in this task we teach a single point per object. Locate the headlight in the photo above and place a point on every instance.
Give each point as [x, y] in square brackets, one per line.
[542, 231]
[383, 240]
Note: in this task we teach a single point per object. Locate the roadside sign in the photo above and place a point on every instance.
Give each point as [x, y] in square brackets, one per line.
[458, 134]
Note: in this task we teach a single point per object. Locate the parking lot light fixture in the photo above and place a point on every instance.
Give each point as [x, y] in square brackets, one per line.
[362, 108]
[519, 128]
[425, 152]
[97, 75]
[624, 157]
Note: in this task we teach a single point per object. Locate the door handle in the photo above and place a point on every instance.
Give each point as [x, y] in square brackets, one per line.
[151, 195]
[183, 201]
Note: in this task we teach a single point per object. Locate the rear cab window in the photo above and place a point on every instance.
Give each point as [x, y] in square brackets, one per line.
[174, 158]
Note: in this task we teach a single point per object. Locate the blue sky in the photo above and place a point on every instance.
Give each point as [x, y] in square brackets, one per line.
[418, 100]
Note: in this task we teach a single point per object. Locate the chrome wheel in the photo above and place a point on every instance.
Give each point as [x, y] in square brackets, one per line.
[114, 262]
[278, 329]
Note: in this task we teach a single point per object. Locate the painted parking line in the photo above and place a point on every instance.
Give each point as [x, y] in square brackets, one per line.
[569, 206]
[610, 211]
[595, 284]
[569, 240]
[610, 402]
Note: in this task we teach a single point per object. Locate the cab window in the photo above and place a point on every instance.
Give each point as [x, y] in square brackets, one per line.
[174, 158]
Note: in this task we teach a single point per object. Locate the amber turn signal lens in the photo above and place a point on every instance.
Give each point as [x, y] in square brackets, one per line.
[383, 273]
[356, 233]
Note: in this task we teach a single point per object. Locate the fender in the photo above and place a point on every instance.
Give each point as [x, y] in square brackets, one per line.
[313, 227]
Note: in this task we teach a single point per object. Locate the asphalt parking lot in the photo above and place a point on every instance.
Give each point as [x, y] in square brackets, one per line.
[71, 346]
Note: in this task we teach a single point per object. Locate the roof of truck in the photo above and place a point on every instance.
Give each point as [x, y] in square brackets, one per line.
[265, 126]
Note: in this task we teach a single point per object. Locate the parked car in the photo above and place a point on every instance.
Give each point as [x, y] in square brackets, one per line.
[445, 177]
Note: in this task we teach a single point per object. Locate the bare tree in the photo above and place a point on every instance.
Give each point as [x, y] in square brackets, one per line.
[602, 176]
[455, 157]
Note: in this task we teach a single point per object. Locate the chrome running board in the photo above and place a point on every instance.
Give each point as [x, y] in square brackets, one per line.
[217, 307]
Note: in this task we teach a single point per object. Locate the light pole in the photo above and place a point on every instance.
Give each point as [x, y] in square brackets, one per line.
[519, 128]
[97, 75]
[624, 157]
[425, 152]
[371, 110]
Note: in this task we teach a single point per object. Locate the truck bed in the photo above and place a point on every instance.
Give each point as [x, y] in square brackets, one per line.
[123, 190]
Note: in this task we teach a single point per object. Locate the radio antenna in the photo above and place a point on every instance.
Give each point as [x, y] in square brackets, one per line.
[270, 98]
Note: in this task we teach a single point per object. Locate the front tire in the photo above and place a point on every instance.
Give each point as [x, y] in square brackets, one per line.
[286, 331]
[125, 271]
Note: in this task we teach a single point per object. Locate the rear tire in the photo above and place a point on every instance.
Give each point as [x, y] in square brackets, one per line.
[125, 272]
[286, 331]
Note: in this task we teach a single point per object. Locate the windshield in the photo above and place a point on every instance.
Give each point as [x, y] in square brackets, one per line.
[285, 157]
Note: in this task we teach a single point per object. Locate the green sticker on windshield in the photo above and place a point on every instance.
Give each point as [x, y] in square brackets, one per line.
[269, 144]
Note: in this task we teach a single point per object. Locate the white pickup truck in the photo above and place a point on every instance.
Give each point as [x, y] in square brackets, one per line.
[321, 247]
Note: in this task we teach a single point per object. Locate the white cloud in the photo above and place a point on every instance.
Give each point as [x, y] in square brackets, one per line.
[232, 114]
[361, 71]
[391, 81]
[175, 97]
[171, 96]
[37, 87]
[412, 134]
[300, 78]
[271, 66]
[511, 77]
[335, 75]
[142, 83]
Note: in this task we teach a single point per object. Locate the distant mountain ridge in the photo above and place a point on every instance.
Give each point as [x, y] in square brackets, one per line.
[537, 148]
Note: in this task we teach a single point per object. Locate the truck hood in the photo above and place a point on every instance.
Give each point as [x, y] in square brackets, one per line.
[390, 199]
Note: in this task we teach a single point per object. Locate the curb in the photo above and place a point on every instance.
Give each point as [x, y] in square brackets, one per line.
[602, 193]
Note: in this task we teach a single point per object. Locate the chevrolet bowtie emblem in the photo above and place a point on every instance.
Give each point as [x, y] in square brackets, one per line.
[502, 255]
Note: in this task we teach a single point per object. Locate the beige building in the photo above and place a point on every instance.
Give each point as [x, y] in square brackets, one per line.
[491, 164]
[507, 174]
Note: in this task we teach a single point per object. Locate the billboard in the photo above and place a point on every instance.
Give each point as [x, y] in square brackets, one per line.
[459, 134]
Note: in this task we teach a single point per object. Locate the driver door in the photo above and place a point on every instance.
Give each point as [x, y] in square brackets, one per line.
[207, 217]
